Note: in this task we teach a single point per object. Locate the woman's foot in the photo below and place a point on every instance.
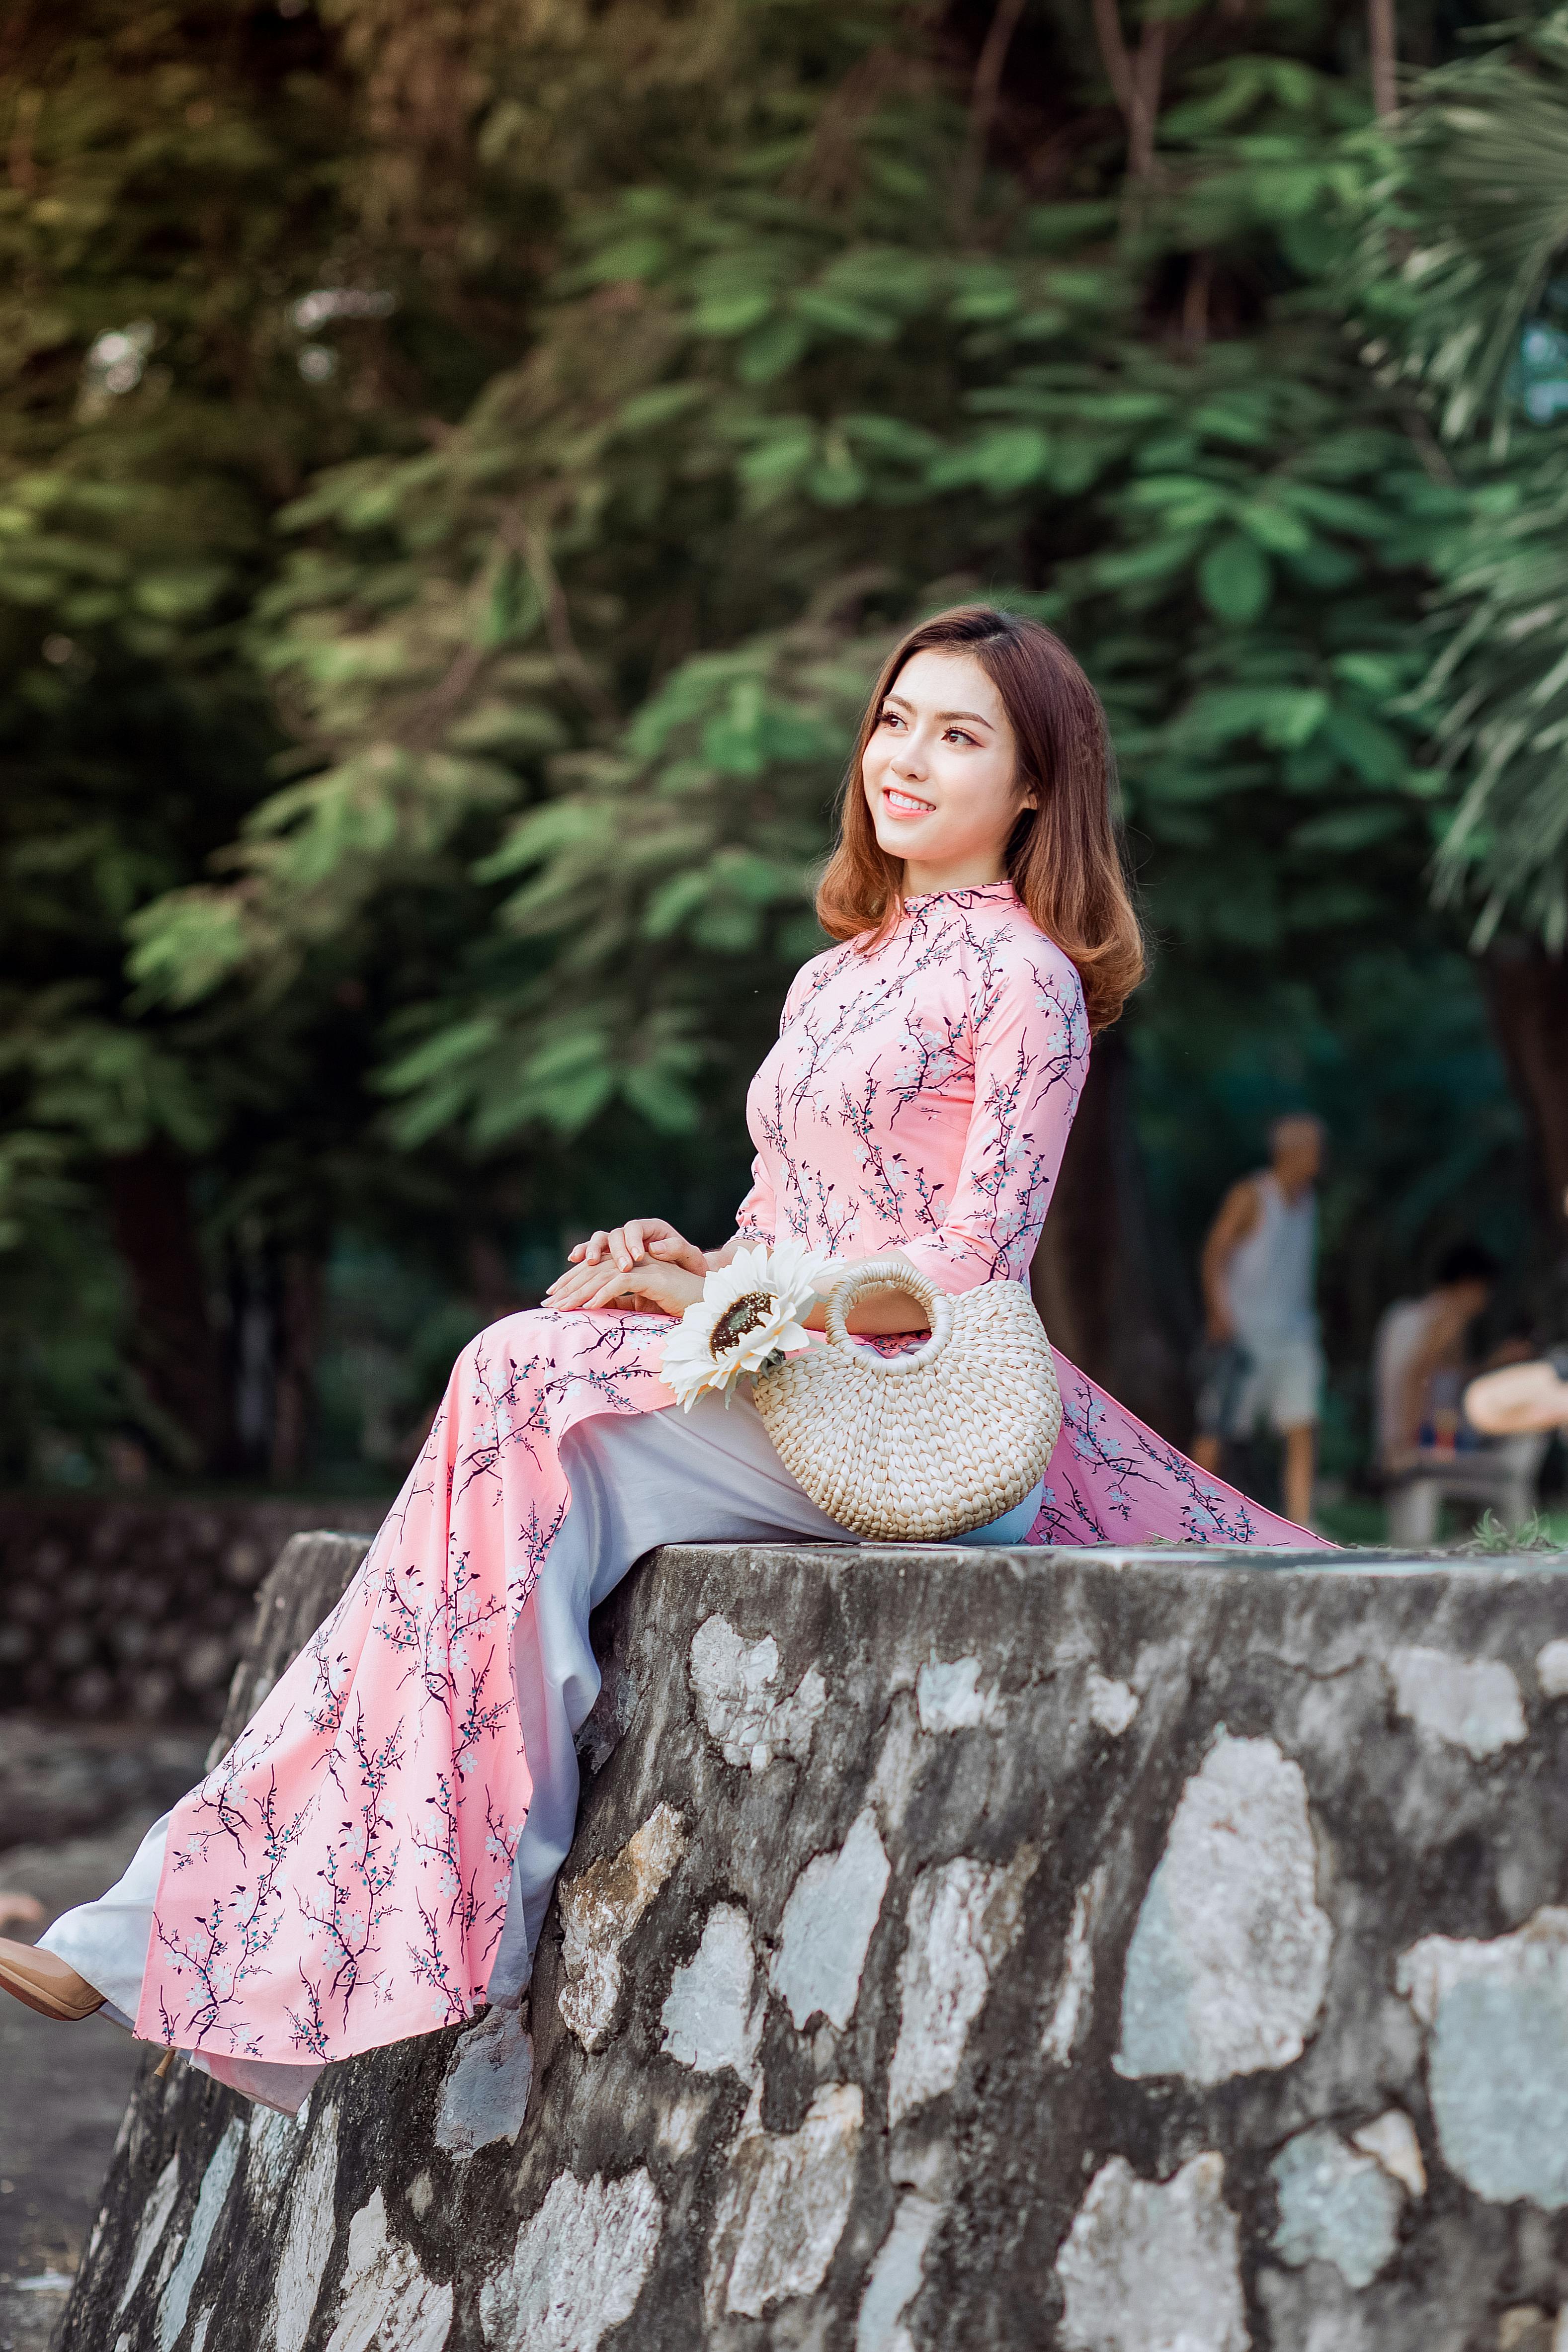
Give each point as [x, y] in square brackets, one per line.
[44, 1983]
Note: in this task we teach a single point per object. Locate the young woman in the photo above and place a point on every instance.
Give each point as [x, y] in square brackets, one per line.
[373, 1856]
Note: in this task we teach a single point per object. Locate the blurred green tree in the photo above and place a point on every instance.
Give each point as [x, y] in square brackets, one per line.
[1459, 277]
[814, 318]
[858, 363]
[241, 242]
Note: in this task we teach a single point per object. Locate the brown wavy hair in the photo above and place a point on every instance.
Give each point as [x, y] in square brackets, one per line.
[1064, 857]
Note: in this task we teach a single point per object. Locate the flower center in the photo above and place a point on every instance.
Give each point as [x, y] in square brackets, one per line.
[744, 1316]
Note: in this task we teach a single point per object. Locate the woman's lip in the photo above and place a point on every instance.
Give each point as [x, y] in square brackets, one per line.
[892, 796]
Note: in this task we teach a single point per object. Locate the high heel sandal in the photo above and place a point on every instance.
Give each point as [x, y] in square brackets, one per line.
[46, 1983]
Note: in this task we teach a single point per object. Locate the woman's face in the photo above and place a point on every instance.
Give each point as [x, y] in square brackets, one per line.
[939, 774]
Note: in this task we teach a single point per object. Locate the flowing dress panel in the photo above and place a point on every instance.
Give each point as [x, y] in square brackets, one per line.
[341, 1877]
[920, 1097]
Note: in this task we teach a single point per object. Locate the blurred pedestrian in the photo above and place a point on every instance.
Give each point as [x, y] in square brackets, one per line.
[1262, 1360]
[1420, 1358]
[1521, 1399]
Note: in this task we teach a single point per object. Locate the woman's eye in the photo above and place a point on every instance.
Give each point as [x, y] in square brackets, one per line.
[958, 735]
[890, 719]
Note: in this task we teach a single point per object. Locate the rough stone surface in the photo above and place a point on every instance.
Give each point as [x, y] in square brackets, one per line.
[1111, 1704]
[1336, 2205]
[962, 1917]
[599, 1909]
[1152, 2267]
[1472, 1702]
[1075, 1998]
[1230, 1957]
[827, 1925]
[578, 2266]
[1391, 2139]
[783, 2207]
[485, 2094]
[962, 2165]
[948, 1696]
[61, 1779]
[307, 2242]
[1497, 2063]
[717, 2008]
[114, 1607]
[736, 1685]
[896, 2275]
[387, 2304]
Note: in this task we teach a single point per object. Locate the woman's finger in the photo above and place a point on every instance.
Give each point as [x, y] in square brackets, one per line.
[580, 1281]
[612, 1293]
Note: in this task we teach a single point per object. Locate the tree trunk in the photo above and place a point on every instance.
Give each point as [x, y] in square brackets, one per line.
[1383, 45]
[1095, 1277]
[298, 1326]
[176, 1349]
[1526, 991]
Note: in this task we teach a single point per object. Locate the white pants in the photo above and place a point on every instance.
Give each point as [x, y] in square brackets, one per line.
[637, 1481]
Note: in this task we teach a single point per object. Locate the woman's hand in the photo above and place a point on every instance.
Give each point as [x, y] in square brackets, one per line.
[626, 1246]
[650, 1289]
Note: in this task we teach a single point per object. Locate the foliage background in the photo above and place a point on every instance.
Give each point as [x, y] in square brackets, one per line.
[459, 471]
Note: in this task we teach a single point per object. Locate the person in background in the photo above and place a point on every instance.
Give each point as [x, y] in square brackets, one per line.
[1522, 1399]
[1418, 1358]
[1263, 1360]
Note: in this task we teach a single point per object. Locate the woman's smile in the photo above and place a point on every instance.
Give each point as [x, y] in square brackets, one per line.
[900, 803]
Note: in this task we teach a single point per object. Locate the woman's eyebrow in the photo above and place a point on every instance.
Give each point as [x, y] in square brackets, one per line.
[978, 716]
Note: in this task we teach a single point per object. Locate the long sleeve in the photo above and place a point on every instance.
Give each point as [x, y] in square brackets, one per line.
[756, 1219]
[1029, 1037]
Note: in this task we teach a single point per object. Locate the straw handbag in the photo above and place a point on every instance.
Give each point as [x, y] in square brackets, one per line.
[925, 1445]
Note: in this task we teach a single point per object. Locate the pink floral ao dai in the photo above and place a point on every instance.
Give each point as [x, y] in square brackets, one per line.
[341, 1879]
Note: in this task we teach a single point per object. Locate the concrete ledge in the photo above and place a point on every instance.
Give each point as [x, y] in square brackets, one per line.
[1111, 1951]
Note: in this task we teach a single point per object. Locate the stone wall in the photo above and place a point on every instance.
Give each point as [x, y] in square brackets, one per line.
[959, 1952]
[121, 1608]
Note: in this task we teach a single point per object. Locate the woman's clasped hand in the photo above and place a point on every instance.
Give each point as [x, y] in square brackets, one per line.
[643, 1264]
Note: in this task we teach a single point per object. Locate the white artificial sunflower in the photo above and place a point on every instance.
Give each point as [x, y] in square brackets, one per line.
[750, 1311]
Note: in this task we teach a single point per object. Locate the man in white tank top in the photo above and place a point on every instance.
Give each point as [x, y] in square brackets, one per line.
[1258, 1268]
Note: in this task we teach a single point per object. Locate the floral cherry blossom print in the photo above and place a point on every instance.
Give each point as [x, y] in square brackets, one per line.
[341, 1878]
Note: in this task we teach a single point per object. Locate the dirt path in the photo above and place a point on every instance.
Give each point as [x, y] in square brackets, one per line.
[63, 2088]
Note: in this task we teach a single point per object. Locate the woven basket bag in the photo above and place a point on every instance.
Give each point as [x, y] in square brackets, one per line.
[929, 1444]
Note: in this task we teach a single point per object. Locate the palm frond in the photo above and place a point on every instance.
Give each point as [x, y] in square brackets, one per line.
[1466, 225]
[1499, 693]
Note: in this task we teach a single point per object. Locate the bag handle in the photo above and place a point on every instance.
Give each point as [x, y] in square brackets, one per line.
[889, 1274]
